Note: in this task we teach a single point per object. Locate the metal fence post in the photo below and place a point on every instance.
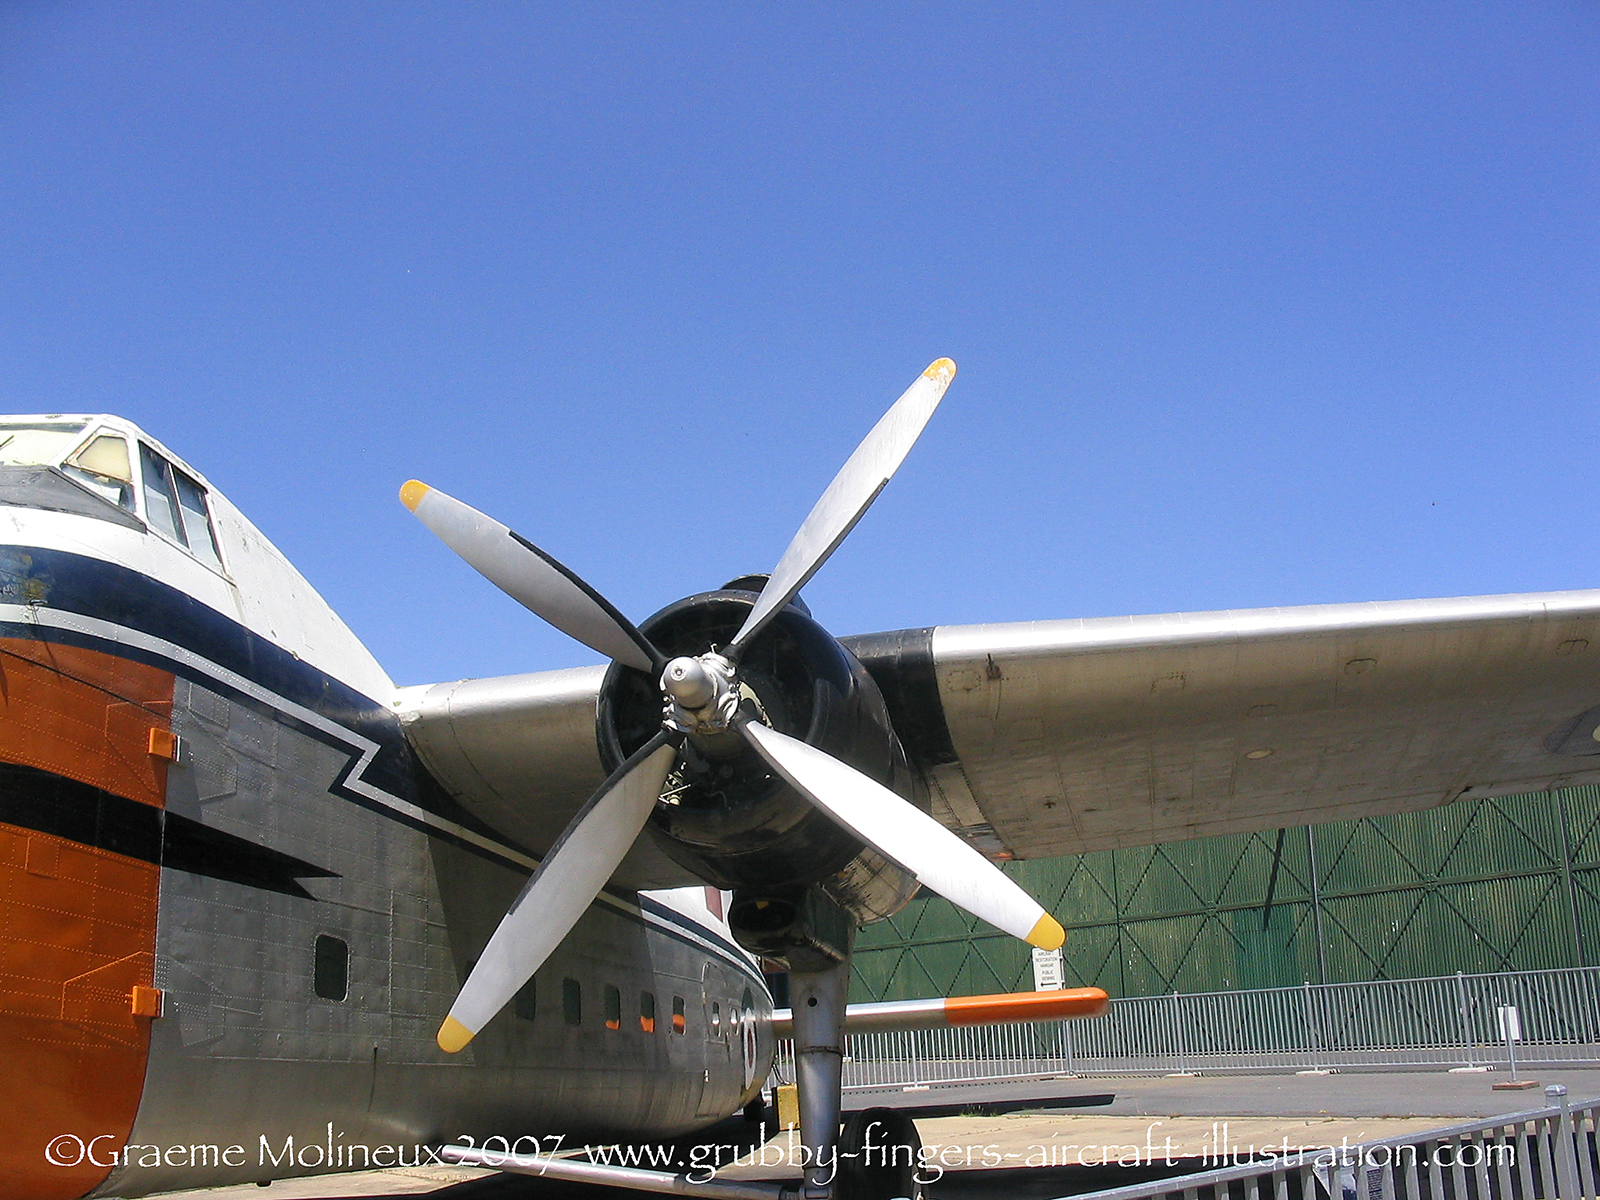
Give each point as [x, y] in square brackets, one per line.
[1311, 1030]
[1565, 1155]
[1177, 1034]
[1461, 1007]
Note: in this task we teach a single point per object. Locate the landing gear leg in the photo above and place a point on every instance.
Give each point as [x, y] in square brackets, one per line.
[817, 1000]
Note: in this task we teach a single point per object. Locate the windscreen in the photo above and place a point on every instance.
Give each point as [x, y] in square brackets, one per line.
[37, 443]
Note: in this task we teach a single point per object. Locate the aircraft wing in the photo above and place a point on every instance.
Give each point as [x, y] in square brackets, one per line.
[1056, 737]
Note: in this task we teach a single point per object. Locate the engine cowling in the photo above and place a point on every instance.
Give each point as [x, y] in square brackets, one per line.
[728, 818]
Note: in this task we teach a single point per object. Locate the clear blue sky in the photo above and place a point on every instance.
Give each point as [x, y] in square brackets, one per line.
[1253, 303]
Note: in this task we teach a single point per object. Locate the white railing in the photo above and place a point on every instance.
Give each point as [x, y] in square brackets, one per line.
[1549, 1153]
[1449, 1021]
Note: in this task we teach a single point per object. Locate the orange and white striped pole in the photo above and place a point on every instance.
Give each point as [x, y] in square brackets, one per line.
[1007, 1008]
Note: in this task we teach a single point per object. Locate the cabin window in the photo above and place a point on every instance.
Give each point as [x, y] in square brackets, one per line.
[175, 506]
[647, 1012]
[679, 1022]
[716, 1020]
[330, 968]
[526, 1002]
[572, 1002]
[612, 1001]
[104, 468]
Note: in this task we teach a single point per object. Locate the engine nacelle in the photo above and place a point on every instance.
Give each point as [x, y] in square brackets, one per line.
[723, 813]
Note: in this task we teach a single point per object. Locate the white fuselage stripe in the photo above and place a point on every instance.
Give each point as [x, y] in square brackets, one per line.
[364, 748]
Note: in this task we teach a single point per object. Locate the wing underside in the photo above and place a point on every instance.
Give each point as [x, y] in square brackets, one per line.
[1082, 735]
[519, 752]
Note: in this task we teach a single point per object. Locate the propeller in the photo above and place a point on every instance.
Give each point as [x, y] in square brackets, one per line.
[864, 474]
[702, 696]
[566, 883]
[530, 576]
[938, 858]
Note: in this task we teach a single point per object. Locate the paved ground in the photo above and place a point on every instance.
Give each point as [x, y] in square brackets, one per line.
[1001, 1129]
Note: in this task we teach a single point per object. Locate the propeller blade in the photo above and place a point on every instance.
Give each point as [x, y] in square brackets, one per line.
[901, 832]
[849, 496]
[567, 881]
[531, 577]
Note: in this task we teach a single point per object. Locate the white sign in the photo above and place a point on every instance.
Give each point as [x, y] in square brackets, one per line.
[1047, 970]
[1510, 1022]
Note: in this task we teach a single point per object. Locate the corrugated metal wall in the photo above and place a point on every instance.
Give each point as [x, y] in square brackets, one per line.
[1480, 885]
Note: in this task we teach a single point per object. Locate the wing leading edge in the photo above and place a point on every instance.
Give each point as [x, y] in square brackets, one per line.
[1058, 737]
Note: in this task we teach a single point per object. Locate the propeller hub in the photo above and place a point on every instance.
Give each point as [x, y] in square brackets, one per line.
[701, 694]
[688, 682]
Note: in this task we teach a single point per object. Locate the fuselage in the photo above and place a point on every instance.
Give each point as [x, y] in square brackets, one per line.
[236, 908]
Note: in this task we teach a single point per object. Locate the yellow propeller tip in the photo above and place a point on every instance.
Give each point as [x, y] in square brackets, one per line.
[1047, 933]
[412, 492]
[943, 368]
[453, 1035]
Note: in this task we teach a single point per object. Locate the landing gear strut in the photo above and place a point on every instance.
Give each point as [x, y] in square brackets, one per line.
[875, 1158]
[817, 999]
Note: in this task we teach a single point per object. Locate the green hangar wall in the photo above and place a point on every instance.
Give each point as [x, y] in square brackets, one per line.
[1479, 885]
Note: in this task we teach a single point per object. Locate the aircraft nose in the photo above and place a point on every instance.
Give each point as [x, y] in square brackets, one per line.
[80, 801]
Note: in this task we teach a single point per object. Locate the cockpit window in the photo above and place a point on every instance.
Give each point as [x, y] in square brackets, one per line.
[102, 465]
[37, 443]
[160, 505]
[175, 505]
[196, 520]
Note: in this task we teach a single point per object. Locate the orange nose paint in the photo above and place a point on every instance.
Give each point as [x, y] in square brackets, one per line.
[72, 1053]
[77, 922]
